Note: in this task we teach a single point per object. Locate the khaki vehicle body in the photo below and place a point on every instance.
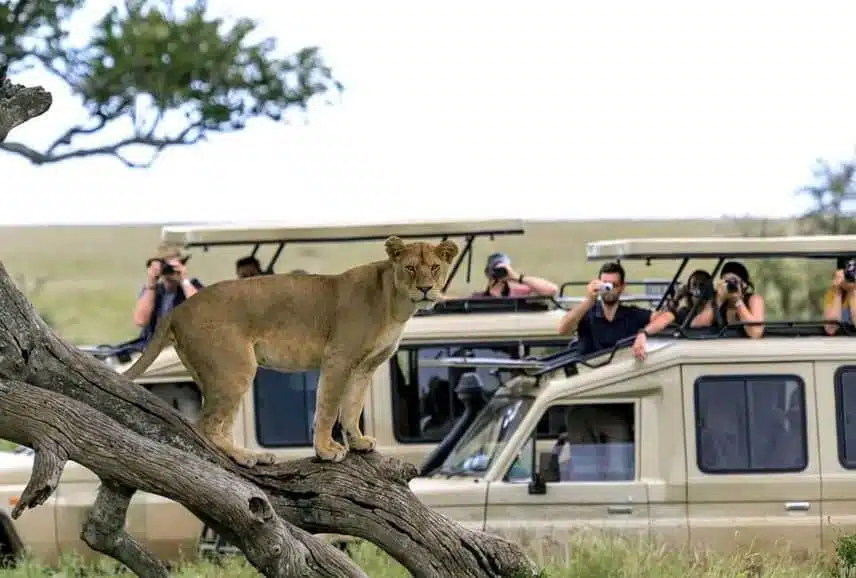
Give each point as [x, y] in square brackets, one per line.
[395, 410]
[714, 441]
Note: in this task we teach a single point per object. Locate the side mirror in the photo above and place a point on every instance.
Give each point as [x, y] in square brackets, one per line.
[548, 471]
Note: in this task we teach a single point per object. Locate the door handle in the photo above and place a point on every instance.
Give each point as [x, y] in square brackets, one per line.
[797, 506]
[619, 509]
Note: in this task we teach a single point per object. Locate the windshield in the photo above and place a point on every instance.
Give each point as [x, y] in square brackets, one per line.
[486, 437]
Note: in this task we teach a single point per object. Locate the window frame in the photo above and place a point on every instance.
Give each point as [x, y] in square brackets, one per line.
[840, 439]
[411, 348]
[634, 402]
[337, 433]
[746, 378]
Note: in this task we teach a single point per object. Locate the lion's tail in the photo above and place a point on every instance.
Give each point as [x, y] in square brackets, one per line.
[160, 339]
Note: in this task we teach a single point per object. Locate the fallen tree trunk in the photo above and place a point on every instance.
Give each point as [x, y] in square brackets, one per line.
[67, 405]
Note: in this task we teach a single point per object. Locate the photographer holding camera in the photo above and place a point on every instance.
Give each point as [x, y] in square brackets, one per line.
[840, 299]
[601, 321]
[734, 301]
[503, 281]
[168, 284]
[691, 297]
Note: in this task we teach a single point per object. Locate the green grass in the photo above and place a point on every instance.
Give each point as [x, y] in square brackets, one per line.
[85, 279]
[583, 557]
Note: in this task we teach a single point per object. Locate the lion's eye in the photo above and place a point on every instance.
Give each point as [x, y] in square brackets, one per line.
[435, 269]
[410, 269]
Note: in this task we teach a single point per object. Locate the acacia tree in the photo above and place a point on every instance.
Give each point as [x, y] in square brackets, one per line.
[157, 75]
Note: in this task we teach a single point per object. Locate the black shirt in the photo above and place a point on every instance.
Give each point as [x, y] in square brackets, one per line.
[597, 333]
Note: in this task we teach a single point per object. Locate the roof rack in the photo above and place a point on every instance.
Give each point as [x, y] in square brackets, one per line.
[570, 358]
[808, 246]
[772, 329]
[537, 303]
[256, 234]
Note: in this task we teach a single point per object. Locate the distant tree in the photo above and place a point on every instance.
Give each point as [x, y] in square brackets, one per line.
[155, 75]
[795, 289]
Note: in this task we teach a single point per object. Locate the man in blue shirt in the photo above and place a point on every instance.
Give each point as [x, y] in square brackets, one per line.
[601, 321]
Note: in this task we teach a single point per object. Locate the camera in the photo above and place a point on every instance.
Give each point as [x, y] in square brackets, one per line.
[166, 268]
[500, 272]
[850, 271]
[605, 287]
[732, 286]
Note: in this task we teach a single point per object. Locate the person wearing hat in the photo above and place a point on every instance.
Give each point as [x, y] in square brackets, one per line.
[167, 286]
[503, 281]
[839, 301]
[735, 302]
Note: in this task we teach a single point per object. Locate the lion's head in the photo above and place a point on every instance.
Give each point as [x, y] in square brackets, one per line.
[420, 268]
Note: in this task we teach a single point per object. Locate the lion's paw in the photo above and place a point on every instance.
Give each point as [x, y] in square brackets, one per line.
[331, 452]
[362, 444]
[266, 458]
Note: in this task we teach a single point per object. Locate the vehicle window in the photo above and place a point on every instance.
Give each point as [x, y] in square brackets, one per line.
[425, 406]
[748, 424]
[285, 407]
[596, 444]
[845, 410]
[182, 396]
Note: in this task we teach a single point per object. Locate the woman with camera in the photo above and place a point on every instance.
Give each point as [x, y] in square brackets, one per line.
[503, 281]
[735, 301]
[840, 299]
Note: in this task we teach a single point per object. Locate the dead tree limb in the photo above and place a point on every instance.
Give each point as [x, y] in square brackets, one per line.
[69, 406]
[18, 104]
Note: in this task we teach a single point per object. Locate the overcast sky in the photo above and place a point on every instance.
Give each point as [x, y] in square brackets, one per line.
[461, 110]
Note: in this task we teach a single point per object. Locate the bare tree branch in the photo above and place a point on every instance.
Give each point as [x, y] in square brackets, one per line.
[190, 135]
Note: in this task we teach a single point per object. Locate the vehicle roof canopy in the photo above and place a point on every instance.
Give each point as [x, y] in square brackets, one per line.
[261, 232]
[815, 246]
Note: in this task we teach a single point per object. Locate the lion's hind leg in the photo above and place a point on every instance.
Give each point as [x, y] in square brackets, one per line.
[352, 406]
[224, 380]
[331, 389]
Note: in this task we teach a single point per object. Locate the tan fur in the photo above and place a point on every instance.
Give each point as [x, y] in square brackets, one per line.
[346, 324]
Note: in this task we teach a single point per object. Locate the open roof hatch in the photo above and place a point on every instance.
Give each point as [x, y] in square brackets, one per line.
[256, 234]
[683, 249]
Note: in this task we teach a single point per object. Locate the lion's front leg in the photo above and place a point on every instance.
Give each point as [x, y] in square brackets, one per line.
[352, 407]
[331, 389]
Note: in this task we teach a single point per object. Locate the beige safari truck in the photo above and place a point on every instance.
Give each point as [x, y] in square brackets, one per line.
[411, 408]
[714, 441]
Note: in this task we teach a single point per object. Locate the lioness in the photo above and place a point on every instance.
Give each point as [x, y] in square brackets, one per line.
[346, 324]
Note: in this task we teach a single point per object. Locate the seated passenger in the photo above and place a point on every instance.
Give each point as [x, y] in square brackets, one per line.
[601, 321]
[735, 301]
[839, 302]
[248, 266]
[503, 281]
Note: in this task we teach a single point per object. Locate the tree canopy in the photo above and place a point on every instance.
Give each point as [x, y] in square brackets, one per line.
[162, 76]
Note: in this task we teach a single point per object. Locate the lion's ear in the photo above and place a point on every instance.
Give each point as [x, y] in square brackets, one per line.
[394, 247]
[446, 250]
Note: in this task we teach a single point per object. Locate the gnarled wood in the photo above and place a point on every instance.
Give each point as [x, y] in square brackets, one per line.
[67, 405]
[18, 104]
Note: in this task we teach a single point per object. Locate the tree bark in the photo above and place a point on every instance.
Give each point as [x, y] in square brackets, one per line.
[18, 104]
[67, 405]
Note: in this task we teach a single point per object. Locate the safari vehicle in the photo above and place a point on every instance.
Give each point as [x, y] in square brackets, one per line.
[714, 441]
[411, 407]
